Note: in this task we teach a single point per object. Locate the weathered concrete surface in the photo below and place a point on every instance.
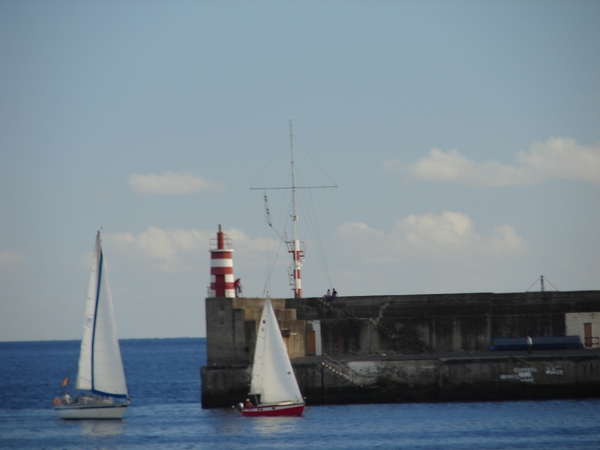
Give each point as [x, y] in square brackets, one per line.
[414, 324]
[231, 325]
[554, 375]
[412, 331]
[224, 386]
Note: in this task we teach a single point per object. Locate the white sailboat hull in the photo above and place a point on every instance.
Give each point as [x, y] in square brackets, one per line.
[92, 411]
[89, 408]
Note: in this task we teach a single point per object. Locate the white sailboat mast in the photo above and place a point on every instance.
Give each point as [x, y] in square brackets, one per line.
[295, 244]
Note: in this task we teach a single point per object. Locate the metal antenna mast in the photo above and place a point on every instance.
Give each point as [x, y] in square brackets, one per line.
[294, 246]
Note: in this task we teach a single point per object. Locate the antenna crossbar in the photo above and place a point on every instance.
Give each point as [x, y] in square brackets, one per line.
[290, 187]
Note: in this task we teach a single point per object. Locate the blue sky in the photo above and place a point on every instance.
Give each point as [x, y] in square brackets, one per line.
[463, 137]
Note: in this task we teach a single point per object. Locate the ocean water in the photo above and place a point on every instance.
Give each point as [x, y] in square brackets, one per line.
[163, 377]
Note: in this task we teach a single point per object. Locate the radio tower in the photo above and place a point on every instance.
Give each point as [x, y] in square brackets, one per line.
[295, 247]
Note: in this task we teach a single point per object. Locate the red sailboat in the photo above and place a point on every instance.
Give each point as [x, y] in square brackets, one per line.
[273, 382]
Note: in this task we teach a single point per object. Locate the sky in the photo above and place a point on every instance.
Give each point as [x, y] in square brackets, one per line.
[463, 138]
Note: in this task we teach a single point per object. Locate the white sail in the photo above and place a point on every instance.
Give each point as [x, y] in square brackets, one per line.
[257, 381]
[272, 373]
[84, 373]
[100, 364]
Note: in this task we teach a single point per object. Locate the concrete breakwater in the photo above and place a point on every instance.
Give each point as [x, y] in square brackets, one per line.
[410, 348]
[430, 379]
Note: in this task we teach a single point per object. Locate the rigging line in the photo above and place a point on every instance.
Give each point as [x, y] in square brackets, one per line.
[274, 262]
[320, 251]
[270, 265]
[268, 261]
[269, 216]
[535, 282]
[308, 211]
[281, 146]
[267, 210]
[548, 281]
[316, 163]
[312, 222]
[317, 237]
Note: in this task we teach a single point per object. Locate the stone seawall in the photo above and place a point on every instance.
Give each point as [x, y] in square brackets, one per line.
[426, 379]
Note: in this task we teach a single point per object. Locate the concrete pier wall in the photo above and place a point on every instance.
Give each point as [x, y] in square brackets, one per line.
[423, 380]
[400, 340]
[231, 325]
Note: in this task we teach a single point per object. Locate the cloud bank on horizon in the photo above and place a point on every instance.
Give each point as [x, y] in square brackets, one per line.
[555, 158]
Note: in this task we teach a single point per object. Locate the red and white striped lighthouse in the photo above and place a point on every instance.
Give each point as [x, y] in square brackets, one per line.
[221, 266]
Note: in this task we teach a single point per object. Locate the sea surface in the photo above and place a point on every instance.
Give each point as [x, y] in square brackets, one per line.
[163, 377]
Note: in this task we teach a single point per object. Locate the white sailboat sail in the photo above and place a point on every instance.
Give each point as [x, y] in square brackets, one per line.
[272, 373]
[100, 364]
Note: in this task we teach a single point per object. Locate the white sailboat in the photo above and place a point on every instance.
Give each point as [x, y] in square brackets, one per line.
[100, 372]
[273, 380]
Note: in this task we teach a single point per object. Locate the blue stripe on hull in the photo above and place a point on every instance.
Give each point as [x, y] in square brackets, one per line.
[66, 408]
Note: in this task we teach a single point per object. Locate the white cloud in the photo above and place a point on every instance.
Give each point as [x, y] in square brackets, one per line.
[359, 230]
[179, 249]
[445, 236]
[11, 259]
[166, 246]
[555, 158]
[563, 158]
[171, 183]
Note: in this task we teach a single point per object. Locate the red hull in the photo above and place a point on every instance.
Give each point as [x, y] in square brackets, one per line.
[274, 410]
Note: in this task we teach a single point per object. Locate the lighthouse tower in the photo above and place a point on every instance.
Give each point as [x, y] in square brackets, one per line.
[221, 266]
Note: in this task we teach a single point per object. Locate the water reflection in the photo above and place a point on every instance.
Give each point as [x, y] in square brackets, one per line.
[101, 427]
[230, 422]
[223, 421]
[274, 425]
